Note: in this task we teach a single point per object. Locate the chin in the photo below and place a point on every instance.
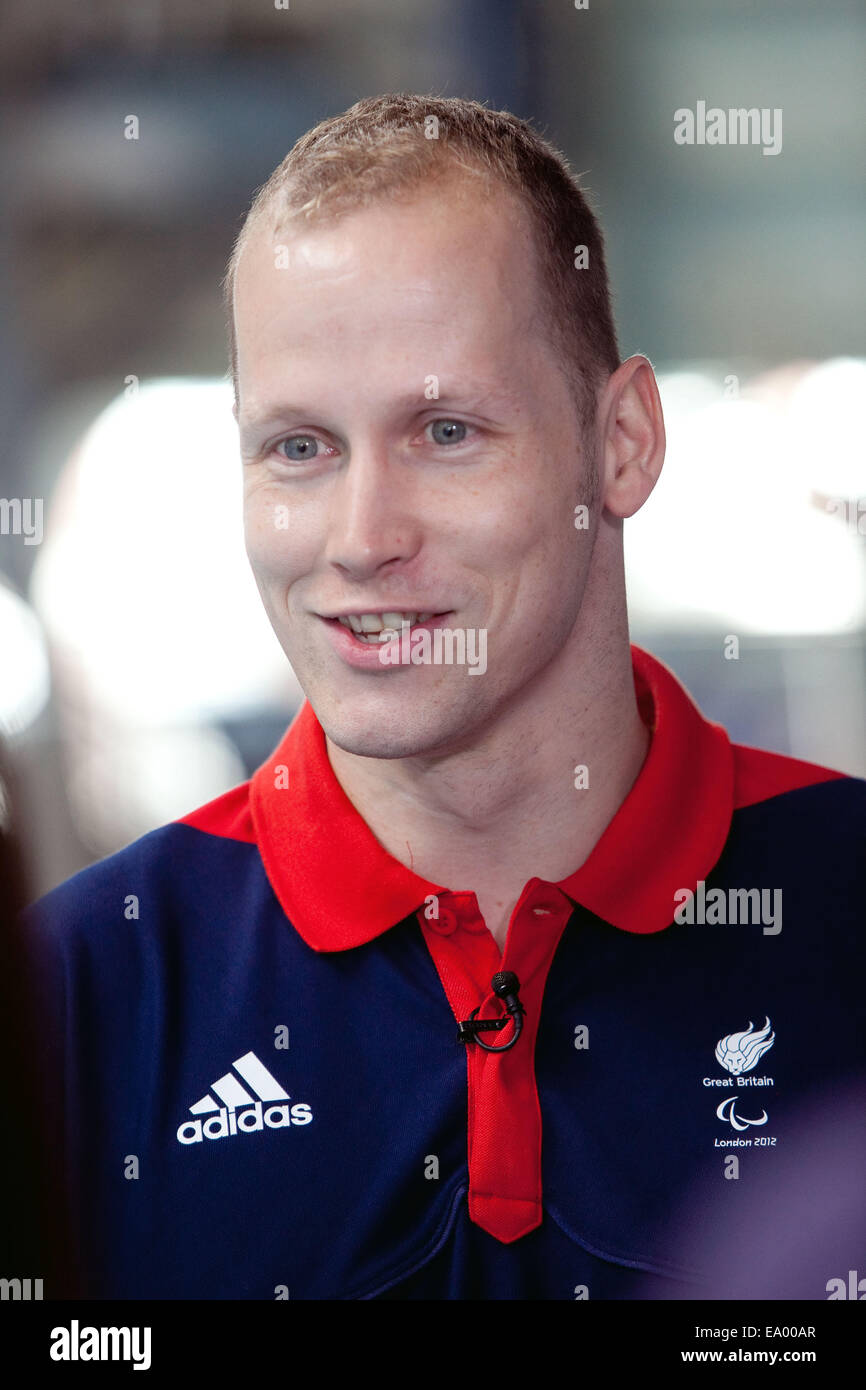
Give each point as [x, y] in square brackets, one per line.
[374, 743]
[402, 728]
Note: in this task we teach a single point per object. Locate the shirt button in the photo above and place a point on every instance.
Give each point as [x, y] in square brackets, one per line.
[476, 925]
[445, 923]
[556, 908]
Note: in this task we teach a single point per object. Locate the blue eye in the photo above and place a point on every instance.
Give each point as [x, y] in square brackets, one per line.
[307, 447]
[450, 431]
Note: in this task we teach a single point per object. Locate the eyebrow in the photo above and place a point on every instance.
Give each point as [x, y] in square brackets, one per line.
[474, 397]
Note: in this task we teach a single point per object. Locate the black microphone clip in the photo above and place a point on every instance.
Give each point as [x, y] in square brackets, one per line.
[505, 985]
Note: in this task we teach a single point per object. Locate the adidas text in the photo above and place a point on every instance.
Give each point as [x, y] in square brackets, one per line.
[228, 1122]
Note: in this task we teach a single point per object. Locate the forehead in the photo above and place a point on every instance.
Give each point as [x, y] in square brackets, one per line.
[446, 268]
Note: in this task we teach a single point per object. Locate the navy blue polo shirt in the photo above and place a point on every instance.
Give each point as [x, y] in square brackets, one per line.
[250, 1035]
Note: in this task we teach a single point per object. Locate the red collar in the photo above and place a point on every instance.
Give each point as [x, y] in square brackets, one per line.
[340, 888]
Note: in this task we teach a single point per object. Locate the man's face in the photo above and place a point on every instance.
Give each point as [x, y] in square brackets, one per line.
[410, 447]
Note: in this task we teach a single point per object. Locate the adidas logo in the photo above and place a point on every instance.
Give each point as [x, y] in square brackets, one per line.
[229, 1118]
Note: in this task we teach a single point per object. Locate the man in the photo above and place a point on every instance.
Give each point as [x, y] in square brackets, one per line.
[491, 810]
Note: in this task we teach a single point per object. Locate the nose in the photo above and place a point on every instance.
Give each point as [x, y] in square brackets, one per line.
[374, 517]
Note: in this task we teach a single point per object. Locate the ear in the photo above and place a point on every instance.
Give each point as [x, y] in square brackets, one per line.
[632, 440]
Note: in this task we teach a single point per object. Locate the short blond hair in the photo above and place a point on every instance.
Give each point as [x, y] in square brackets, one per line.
[386, 145]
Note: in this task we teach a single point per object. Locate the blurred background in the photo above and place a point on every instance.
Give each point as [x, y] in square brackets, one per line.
[138, 674]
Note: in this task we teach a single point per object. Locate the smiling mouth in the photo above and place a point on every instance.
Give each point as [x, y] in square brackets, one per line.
[373, 628]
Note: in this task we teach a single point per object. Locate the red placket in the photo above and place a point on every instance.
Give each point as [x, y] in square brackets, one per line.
[504, 1116]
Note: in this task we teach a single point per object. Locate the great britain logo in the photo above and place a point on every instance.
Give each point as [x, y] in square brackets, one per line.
[242, 1110]
[738, 1054]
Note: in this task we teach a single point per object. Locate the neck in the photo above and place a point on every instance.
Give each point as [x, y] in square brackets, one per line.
[488, 818]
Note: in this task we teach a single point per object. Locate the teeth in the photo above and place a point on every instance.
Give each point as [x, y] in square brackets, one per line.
[370, 627]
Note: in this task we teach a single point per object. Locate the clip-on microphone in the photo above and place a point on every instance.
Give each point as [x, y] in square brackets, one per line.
[505, 985]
